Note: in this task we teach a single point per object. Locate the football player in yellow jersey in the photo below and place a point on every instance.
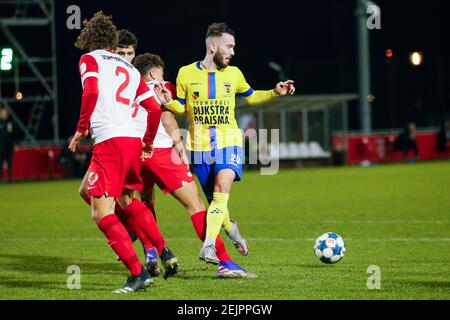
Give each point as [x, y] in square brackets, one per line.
[206, 91]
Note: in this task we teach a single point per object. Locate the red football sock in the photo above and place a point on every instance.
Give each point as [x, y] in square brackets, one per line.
[122, 217]
[199, 221]
[144, 224]
[120, 242]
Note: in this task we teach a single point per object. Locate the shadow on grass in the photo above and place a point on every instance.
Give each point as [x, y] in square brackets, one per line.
[59, 284]
[41, 264]
[197, 273]
[200, 277]
[27, 272]
[427, 284]
[27, 269]
[15, 283]
[55, 288]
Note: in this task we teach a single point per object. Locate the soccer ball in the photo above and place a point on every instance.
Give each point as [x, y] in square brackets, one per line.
[329, 247]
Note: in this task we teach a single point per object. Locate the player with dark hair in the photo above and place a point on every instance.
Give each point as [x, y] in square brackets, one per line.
[206, 91]
[169, 166]
[127, 45]
[110, 85]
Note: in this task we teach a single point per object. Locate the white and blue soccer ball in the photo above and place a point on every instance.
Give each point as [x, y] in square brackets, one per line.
[329, 247]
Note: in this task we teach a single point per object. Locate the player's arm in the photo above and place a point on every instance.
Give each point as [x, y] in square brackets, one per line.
[145, 97]
[178, 104]
[168, 118]
[255, 97]
[89, 80]
[171, 125]
[173, 130]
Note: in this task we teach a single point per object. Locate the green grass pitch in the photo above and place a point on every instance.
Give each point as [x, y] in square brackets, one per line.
[396, 217]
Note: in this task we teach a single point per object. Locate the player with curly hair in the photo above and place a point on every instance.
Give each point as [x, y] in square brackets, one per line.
[110, 86]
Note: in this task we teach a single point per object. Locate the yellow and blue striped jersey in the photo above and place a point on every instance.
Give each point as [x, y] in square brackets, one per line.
[208, 97]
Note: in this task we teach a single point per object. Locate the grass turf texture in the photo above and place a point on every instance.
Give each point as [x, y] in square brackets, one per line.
[394, 216]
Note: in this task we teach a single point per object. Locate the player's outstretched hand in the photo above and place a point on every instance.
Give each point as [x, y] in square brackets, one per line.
[147, 151]
[163, 94]
[285, 88]
[76, 138]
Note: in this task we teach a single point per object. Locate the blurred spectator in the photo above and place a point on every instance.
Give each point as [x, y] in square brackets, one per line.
[407, 141]
[443, 137]
[7, 139]
[76, 162]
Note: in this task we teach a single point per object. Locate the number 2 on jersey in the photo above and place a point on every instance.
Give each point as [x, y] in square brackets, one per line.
[123, 86]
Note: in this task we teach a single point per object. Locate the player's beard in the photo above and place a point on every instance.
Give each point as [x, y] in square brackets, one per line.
[219, 60]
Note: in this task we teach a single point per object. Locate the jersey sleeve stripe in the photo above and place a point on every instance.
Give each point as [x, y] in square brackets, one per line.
[245, 94]
[89, 74]
[144, 96]
[181, 100]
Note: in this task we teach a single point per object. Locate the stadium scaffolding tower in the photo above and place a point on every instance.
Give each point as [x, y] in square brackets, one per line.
[36, 74]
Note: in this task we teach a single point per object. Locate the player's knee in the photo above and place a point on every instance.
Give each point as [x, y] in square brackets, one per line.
[223, 187]
[99, 213]
[195, 205]
[189, 198]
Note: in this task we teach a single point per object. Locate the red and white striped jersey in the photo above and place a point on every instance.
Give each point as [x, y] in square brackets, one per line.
[119, 86]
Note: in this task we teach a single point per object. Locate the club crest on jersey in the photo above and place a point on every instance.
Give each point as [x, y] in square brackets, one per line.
[93, 177]
[227, 86]
[195, 95]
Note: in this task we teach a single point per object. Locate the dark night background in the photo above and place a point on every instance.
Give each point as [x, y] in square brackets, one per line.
[315, 42]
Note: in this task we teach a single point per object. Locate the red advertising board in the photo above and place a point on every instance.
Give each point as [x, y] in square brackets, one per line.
[379, 148]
